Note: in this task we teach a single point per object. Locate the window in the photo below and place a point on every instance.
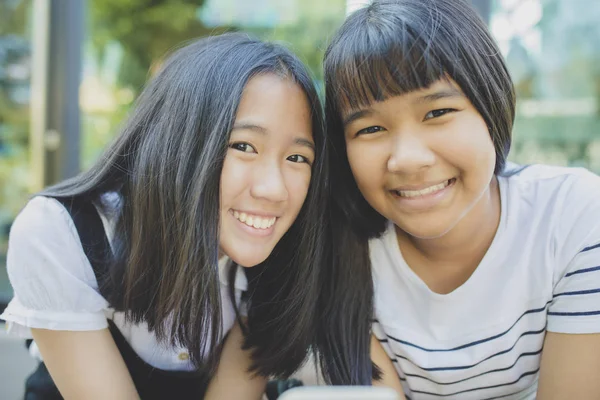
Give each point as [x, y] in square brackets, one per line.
[15, 69]
[552, 51]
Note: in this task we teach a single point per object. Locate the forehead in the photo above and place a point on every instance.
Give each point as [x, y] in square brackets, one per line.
[265, 85]
[272, 94]
[274, 105]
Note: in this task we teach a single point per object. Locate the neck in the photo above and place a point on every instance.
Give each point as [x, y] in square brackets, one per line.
[469, 240]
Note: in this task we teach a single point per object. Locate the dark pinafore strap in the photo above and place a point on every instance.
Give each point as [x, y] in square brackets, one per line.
[151, 383]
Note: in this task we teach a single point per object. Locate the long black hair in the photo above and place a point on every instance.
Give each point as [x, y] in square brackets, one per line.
[386, 49]
[166, 165]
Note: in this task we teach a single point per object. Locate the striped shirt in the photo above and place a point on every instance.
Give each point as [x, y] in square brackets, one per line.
[484, 340]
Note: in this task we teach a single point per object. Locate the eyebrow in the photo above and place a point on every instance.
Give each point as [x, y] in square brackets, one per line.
[305, 143]
[427, 98]
[263, 131]
[249, 127]
[439, 94]
[353, 116]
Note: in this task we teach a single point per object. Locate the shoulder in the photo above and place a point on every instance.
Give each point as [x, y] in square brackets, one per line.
[548, 178]
[565, 201]
[42, 241]
[559, 190]
[42, 217]
[54, 284]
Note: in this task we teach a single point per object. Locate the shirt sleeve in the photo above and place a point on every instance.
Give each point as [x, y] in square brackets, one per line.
[575, 305]
[53, 282]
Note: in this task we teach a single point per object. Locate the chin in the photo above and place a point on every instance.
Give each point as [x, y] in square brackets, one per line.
[248, 260]
[427, 235]
[431, 232]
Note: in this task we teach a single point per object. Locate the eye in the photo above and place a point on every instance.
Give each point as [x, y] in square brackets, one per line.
[369, 130]
[297, 158]
[243, 147]
[438, 113]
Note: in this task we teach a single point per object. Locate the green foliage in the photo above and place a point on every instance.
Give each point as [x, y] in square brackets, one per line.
[309, 35]
[13, 16]
[14, 117]
[146, 29]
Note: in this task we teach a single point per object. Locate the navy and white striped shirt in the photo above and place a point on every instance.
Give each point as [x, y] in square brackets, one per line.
[541, 273]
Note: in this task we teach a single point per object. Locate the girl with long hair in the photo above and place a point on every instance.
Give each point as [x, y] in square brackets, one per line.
[129, 275]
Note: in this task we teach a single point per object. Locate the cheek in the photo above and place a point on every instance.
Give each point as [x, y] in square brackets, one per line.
[232, 179]
[297, 183]
[368, 164]
[472, 150]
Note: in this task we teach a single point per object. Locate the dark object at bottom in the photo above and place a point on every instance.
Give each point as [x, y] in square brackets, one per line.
[39, 385]
[276, 388]
[151, 383]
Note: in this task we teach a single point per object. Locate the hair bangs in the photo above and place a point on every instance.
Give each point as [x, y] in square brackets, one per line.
[373, 65]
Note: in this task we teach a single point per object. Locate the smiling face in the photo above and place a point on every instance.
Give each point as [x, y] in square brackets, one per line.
[423, 159]
[267, 169]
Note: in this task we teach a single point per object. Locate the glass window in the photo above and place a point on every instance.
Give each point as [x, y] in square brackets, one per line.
[552, 51]
[15, 69]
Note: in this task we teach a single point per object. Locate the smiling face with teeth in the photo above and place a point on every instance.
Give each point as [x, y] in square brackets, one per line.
[424, 160]
[267, 169]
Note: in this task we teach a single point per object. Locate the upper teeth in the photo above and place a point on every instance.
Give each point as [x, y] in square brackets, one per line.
[254, 220]
[423, 192]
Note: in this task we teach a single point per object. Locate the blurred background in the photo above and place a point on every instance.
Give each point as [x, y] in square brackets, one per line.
[70, 70]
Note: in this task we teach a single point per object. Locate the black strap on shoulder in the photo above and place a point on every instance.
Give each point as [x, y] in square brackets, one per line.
[92, 236]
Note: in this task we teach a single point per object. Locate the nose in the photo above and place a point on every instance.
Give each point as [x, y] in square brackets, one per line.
[269, 183]
[409, 154]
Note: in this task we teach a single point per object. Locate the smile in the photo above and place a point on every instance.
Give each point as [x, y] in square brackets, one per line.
[425, 191]
[254, 221]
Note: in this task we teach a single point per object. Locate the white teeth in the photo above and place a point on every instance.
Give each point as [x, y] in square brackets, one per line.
[423, 192]
[254, 220]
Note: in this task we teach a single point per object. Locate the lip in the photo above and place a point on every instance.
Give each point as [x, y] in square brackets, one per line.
[257, 232]
[426, 202]
[261, 214]
[422, 186]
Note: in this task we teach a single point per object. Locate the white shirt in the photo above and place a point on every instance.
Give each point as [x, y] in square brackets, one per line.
[484, 339]
[55, 286]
